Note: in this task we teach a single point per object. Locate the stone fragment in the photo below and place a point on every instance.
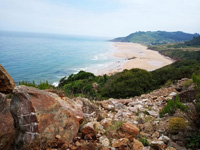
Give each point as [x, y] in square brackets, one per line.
[128, 130]
[88, 130]
[7, 130]
[153, 113]
[164, 138]
[120, 142]
[137, 145]
[7, 84]
[40, 114]
[158, 144]
[104, 141]
[155, 134]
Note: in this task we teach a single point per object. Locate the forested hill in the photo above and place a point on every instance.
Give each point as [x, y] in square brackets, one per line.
[194, 42]
[156, 38]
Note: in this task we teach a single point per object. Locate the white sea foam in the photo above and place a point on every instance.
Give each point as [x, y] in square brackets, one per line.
[55, 84]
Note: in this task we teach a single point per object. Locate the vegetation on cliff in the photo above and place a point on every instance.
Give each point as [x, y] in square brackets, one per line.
[128, 83]
[155, 38]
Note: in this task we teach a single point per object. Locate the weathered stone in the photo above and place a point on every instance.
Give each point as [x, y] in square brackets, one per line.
[104, 141]
[6, 124]
[128, 130]
[40, 114]
[137, 145]
[164, 138]
[120, 142]
[6, 82]
[155, 134]
[158, 144]
[108, 105]
[153, 113]
[88, 131]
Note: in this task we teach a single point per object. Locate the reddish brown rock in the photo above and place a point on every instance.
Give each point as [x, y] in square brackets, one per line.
[88, 131]
[38, 114]
[137, 145]
[6, 124]
[128, 130]
[121, 142]
[6, 82]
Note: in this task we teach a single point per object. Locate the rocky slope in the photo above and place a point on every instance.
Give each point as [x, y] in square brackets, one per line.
[48, 120]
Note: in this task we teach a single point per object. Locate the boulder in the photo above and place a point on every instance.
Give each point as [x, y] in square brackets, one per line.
[39, 114]
[137, 145]
[6, 124]
[6, 82]
[128, 130]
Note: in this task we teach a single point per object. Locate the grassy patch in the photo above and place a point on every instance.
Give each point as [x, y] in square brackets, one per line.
[144, 141]
[177, 124]
[42, 85]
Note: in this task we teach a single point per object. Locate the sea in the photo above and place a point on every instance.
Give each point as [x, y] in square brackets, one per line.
[41, 57]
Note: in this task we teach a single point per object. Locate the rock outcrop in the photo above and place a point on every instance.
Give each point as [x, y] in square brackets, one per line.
[6, 124]
[38, 114]
[6, 82]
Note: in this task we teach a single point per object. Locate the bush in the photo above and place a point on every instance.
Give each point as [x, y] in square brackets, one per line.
[193, 141]
[128, 83]
[172, 106]
[177, 124]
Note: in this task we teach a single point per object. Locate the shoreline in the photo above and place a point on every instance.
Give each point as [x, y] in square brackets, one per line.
[134, 55]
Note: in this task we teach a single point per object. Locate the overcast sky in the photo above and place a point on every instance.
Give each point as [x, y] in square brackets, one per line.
[110, 18]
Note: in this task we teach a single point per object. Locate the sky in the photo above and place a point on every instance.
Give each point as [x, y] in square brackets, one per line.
[107, 18]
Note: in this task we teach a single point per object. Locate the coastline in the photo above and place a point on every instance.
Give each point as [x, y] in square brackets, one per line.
[134, 55]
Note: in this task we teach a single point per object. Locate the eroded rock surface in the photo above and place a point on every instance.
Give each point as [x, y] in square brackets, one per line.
[6, 82]
[38, 114]
[6, 124]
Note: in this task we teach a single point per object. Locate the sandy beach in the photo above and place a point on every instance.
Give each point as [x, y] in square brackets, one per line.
[134, 55]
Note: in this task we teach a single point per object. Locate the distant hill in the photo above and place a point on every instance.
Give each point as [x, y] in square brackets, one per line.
[156, 38]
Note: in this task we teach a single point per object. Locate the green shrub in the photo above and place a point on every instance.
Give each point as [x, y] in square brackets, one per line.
[177, 124]
[144, 141]
[196, 81]
[193, 141]
[125, 84]
[172, 106]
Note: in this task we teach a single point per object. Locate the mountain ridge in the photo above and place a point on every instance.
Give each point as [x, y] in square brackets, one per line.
[156, 37]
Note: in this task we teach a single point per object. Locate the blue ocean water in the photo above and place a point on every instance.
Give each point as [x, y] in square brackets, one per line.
[40, 57]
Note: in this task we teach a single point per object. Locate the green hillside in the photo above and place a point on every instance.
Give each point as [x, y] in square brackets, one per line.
[189, 50]
[156, 38]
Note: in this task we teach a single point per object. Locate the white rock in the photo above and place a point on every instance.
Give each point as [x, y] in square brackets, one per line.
[164, 138]
[153, 113]
[157, 142]
[104, 141]
[173, 94]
